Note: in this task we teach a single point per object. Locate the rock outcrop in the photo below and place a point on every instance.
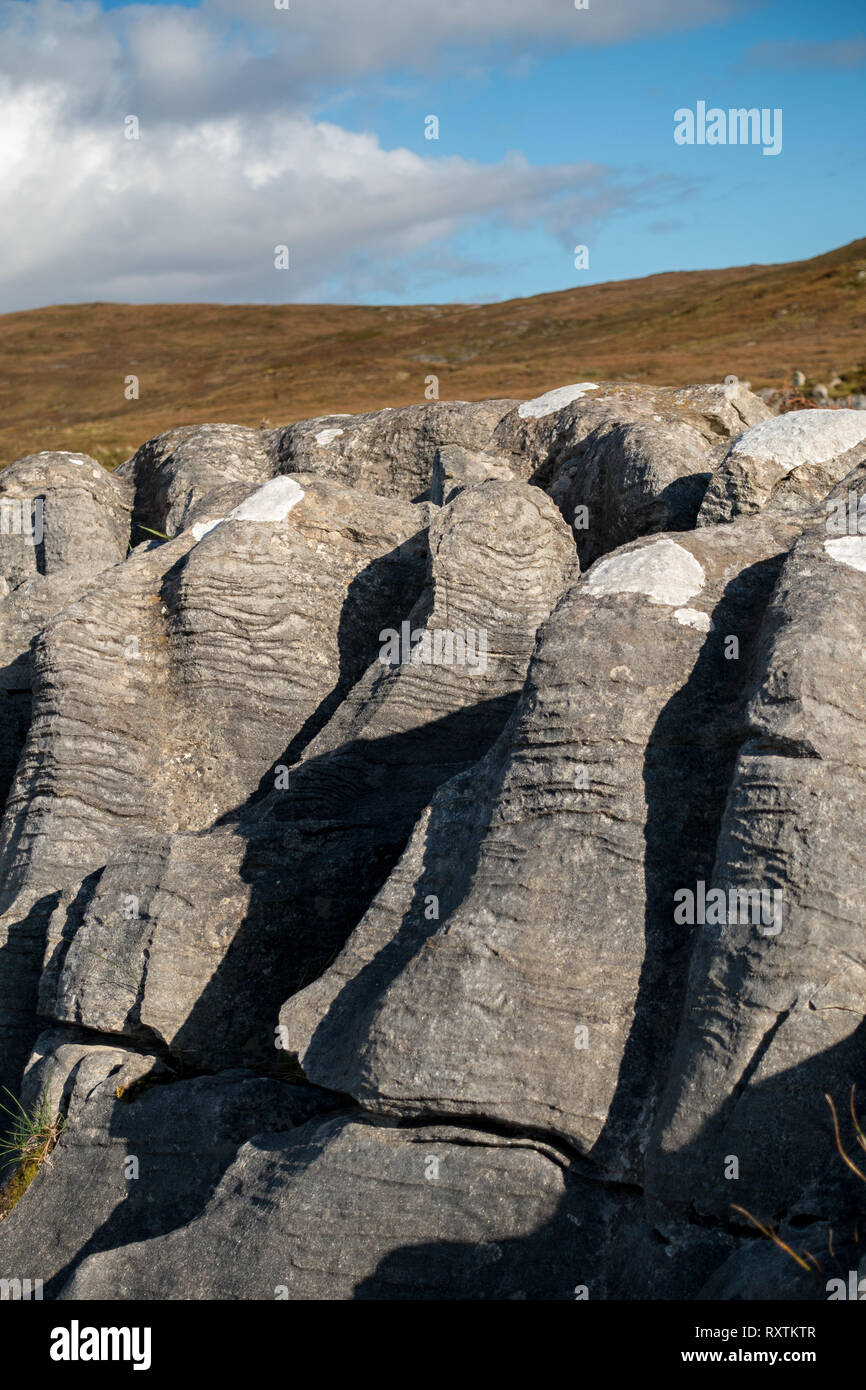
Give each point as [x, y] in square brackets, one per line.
[462, 800]
[787, 461]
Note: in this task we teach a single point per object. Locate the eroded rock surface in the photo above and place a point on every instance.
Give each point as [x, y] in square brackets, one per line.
[774, 1017]
[533, 999]
[390, 452]
[622, 460]
[788, 460]
[478, 1217]
[462, 801]
[228, 918]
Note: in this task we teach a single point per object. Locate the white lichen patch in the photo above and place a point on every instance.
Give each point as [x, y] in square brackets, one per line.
[802, 437]
[664, 571]
[328, 436]
[271, 502]
[848, 550]
[78, 459]
[693, 617]
[201, 528]
[554, 400]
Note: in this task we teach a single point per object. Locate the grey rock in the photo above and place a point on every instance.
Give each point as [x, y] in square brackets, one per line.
[171, 473]
[390, 452]
[455, 468]
[790, 461]
[24, 611]
[479, 1216]
[202, 661]
[141, 1153]
[344, 837]
[61, 511]
[64, 521]
[622, 460]
[532, 999]
[219, 930]
[774, 1012]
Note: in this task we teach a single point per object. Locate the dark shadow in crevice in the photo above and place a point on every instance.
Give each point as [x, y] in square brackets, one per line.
[688, 765]
[451, 855]
[75, 912]
[39, 546]
[315, 857]
[20, 968]
[686, 805]
[168, 1126]
[600, 1236]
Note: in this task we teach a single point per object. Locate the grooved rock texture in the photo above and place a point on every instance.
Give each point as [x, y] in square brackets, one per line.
[789, 460]
[142, 1146]
[63, 519]
[225, 918]
[173, 472]
[533, 999]
[390, 452]
[478, 1216]
[622, 460]
[164, 694]
[455, 468]
[432, 852]
[774, 1018]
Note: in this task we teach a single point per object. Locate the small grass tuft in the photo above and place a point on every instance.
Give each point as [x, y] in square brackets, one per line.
[31, 1135]
[28, 1143]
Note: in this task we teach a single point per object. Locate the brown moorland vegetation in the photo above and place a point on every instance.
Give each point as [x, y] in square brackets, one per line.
[62, 369]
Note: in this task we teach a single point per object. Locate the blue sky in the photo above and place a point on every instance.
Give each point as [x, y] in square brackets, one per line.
[306, 128]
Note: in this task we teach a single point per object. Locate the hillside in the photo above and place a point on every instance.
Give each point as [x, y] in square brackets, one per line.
[62, 369]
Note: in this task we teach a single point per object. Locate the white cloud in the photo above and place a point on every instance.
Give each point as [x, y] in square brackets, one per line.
[231, 161]
[167, 61]
[195, 211]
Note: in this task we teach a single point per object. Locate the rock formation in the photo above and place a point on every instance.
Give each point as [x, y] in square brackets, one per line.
[432, 862]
